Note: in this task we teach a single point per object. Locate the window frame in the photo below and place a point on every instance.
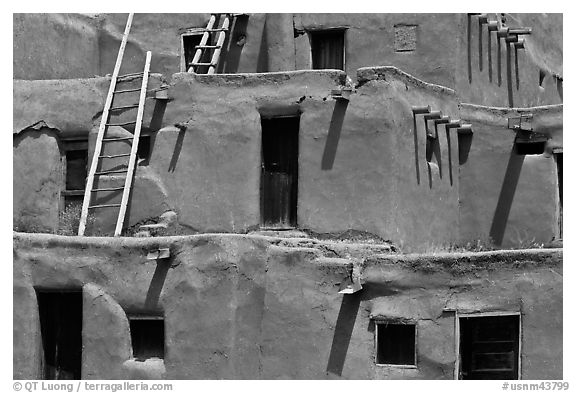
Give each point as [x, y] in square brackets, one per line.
[312, 32]
[194, 31]
[459, 315]
[73, 144]
[147, 317]
[393, 322]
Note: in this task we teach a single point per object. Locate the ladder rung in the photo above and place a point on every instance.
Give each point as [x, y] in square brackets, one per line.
[126, 91]
[99, 206]
[123, 107]
[107, 189]
[116, 155]
[125, 138]
[113, 171]
[201, 64]
[121, 124]
[207, 47]
[212, 30]
[134, 74]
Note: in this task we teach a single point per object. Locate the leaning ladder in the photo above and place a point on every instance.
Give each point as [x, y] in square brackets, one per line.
[104, 124]
[195, 65]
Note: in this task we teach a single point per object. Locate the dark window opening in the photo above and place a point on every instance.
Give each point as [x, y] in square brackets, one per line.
[144, 150]
[189, 43]
[396, 344]
[279, 178]
[61, 331]
[147, 334]
[529, 143]
[327, 49]
[76, 165]
[76, 152]
[489, 347]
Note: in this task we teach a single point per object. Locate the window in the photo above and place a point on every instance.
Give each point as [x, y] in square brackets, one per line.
[189, 41]
[395, 344]
[489, 347]
[76, 152]
[147, 334]
[143, 151]
[528, 142]
[61, 331]
[328, 49]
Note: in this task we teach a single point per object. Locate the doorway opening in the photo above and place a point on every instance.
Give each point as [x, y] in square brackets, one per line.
[61, 331]
[279, 178]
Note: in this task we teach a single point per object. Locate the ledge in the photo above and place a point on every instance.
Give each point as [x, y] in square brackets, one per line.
[366, 74]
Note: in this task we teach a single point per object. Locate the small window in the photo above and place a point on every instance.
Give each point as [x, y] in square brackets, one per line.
[395, 344]
[189, 42]
[143, 151]
[76, 152]
[147, 334]
[327, 49]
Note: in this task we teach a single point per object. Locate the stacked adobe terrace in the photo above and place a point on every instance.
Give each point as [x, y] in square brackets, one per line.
[311, 179]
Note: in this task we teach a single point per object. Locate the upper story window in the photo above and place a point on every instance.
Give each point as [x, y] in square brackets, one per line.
[76, 152]
[328, 49]
[188, 43]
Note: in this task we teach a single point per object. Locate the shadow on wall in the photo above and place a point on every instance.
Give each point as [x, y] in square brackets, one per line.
[346, 321]
[334, 134]
[506, 197]
[157, 283]
[343, 333]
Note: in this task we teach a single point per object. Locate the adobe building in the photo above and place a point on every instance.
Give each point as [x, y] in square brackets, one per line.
[356, 196]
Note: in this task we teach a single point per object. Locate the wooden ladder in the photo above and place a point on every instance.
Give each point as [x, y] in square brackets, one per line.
[196, 65]
[104, 125]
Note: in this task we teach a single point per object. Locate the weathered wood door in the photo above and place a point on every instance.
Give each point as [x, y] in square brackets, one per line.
[279, 178]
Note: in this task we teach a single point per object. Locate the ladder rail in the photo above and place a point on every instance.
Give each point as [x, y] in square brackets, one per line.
[203, 41]
[220, 44]
[133, 152]
[102, 128]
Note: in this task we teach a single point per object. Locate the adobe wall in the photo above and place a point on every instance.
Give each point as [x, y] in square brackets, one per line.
[509, 196]
[55, 46]
[370, 41]
[89, 43]
[36, 188]
[253, 307]
[355, 173]
[543, 52]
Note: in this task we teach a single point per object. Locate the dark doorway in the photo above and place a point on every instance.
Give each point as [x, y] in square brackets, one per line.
[61, 330]
[327, 49]
[489, 347]
[279, 179]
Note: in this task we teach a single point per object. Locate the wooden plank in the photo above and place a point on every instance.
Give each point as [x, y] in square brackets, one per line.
[101, 130]
[220, 43]
[203, 41]
[132, 162]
